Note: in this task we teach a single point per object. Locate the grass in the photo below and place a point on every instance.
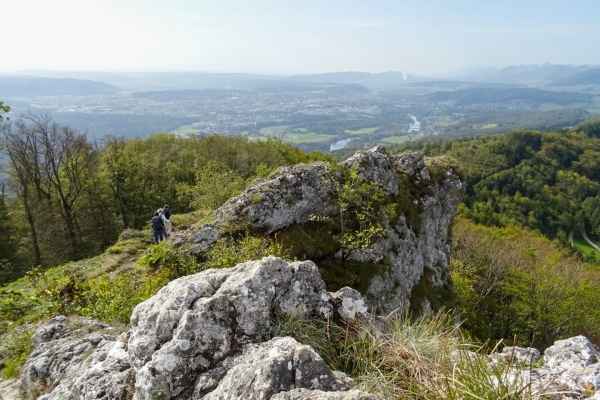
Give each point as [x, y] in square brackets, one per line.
[363, 131]
[188, 129]
[397, 139]
[309, 137]
[273, 130]
[27, 302]
[426, 358]
[585, 248]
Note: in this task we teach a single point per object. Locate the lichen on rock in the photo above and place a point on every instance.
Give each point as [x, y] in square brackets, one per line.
[297, 206]
[198, 337]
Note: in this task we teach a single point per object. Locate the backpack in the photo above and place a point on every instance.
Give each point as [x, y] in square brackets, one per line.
[157, 223]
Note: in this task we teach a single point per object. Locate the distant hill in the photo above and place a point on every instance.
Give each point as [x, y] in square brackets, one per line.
[357, 77]
[588, 77]
[522, 74]
[491, 95]
[18, 86]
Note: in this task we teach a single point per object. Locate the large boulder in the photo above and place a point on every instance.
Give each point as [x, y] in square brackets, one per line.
[201, 336]
[415, 246]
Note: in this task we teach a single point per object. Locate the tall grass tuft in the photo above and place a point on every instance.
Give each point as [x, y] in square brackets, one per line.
[426, 358]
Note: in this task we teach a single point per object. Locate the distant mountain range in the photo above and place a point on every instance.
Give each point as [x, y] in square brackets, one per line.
[587, 77]
[522, 74]
[18, 86]
[52, 83]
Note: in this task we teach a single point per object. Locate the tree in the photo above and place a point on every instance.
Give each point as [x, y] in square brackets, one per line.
[3, 110]
[54, 161]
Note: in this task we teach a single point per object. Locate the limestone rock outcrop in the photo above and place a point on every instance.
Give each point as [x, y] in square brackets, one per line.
[570, 367]
[200, 337]
[416, 247]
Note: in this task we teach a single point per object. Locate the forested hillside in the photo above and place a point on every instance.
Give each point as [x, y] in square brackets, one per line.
[67, 198]
[545, 181]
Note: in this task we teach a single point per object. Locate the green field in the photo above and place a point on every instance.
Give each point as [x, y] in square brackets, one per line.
[397, 139]
[585, 248]
[188, 129]
[273, 130]
[489, 126]
[363, 131]
[297, 138]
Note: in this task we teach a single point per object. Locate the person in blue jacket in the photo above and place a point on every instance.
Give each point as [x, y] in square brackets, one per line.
[158, 227]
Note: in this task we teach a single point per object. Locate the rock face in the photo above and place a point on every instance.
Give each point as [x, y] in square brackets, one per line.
[199, 337]
[570, 367]
[416, 247]
[77, 359]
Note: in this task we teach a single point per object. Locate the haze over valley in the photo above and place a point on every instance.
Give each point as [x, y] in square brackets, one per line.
[311, 111]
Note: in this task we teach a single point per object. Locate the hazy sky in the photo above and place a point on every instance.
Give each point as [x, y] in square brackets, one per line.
[300, 36]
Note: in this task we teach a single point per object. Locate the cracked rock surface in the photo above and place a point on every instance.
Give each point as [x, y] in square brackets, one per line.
[418, 252]
[199, 337]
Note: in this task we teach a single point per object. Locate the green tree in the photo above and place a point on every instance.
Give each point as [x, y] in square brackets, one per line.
[3, 110]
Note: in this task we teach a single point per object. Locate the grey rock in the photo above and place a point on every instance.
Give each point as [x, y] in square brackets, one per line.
[198, 337]
[77, 359]
[305, 394]
[350, 304]
[417, 253]
[10, 390]
[204, 239]
[292, 196]
[376, 166]
[196, 322]
[417, 257]
[518, 354]
[572, 353]
[280, 364]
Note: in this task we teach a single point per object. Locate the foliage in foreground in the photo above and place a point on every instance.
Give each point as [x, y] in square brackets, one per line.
[514, 283]
[426, 358]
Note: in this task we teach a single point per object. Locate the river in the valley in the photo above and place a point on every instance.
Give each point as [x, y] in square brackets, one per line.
[340, 144]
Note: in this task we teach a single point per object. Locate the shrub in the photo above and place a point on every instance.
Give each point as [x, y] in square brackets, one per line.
[113, 300]
[228, 253]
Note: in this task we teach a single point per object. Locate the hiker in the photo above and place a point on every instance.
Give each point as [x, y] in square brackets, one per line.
[167, 220]
[168, 226]
[158, 226]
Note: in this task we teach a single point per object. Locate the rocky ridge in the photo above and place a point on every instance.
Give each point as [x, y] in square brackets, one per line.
[416, 248]
[199, 337]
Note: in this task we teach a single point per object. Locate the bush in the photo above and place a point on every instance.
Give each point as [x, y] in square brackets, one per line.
[228, 253]
[113, 300]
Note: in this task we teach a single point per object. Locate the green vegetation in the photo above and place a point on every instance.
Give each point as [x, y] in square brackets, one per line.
[187, 130]
[363, 131]
[397, 139]
[586, 249]
[3, 109]
[547, 182]
[75, 204]
[424, 358]
[512, 283]
[273, 130]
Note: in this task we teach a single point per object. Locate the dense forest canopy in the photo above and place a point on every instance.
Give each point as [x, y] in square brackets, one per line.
[545, 181]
